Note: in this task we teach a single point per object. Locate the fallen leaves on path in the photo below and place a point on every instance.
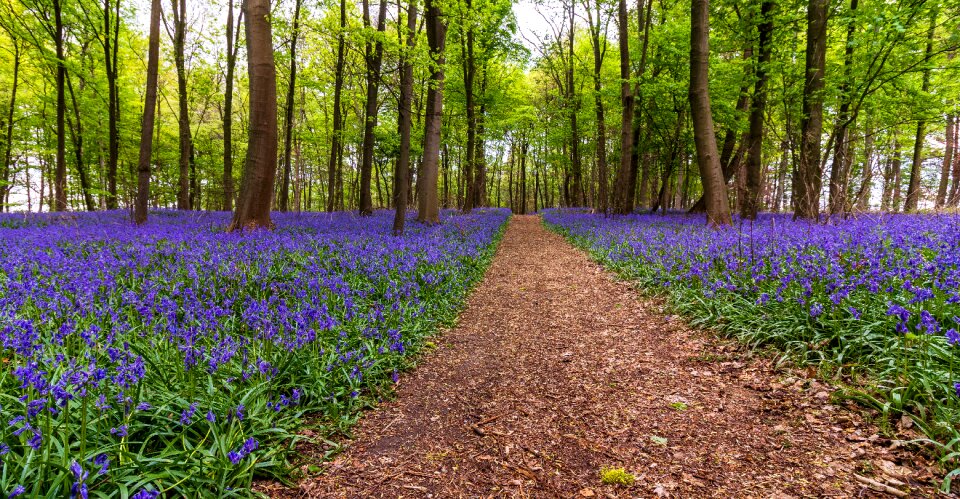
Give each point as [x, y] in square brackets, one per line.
[556, 371]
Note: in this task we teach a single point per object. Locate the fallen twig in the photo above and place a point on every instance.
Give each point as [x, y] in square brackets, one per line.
[882, 487]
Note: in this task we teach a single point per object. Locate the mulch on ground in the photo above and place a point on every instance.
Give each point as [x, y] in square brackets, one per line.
[557, 371]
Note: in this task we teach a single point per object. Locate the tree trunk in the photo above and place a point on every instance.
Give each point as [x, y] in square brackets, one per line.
[400, 186]
[624, 202]
[577, 198]
[524, 148]
[913, 191]
[598, 52]
[428, 209]
[953, 153]
[751, 202]
[113, 105]
[232, 47]
[643, 25]
[374, 58]
[179, 13]
[335, 165]
[469, 75]
[711, 175]
[840, 171]
[76, 133]
[284, 200]
[260, 167]
[7, 184]
[149, 112]
[60, 173]
[809, 175]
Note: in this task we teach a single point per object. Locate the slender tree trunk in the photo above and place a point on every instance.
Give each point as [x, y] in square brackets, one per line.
[232, 47]
[260, 168]
[335, 165]
[179, 13]
[8, 133]
[913, 191]
[598, 52]
[429, 210]
[839, 171]
[60, 173]
[76, 133]
[469, 75]
[524, 148]
[953, 152]
[111, 69]
[576, 166]
[751, 202]
[714, 188]
[400, 186]
[149, 112]
[374, 58]
[284, 200]
[643, 25]
[866, 183]
[945, 167]
[809, 175]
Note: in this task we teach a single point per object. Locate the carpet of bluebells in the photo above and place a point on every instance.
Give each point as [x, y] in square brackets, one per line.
[175, 359]
[874, 300]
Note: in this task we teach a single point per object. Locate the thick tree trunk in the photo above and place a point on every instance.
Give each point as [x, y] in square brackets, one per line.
[374, 59]
[643, 25]
[624, 198]
[149, 112]
[284, 200]
[232, 47]
[751, 202]
[809, 175]
[711, 175]
[429, 209]
[400, 186]
[260, 167]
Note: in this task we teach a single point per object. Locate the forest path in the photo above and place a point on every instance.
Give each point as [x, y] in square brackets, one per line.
[555, 370]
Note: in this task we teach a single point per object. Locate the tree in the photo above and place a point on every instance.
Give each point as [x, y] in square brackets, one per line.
[232, 47]
[750, 205]
[374, 59]
[289, 110]
[149, 113]
[178, 35]
[624, 198]
[714, 188]
[809, 176]
[260, 167]
[913, 191]
[429, 208]
[405, 120]
[335, 163]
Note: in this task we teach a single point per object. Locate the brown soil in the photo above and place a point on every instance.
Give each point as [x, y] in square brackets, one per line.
[556, 371]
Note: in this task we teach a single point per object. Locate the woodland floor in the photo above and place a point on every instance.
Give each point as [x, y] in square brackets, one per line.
[556, 370]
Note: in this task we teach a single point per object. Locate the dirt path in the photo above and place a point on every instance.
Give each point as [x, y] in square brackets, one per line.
[556, 371]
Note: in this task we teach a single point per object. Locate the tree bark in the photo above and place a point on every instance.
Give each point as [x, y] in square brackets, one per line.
[751, 204]
[913, 191]
[232, 47]
[840, 168]
[335, 165]
[60, 172]
[284, 200]
[400, 186]
[113, 105]
[429, 209]
[374, 59]
[178, 37]
[469, 75]
[624, 202]
[809, 175]
[260, 167]
[598, 52]
[7, 184]
[711, 175]
[149, 113]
